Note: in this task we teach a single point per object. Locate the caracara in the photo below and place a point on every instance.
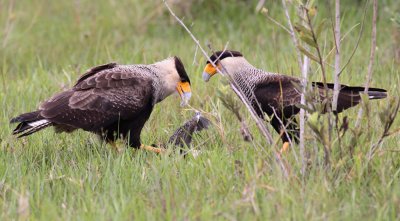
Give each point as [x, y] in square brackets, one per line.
[278, 95]
[111, 100]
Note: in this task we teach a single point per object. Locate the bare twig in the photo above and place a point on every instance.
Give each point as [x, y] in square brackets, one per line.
[342, 38]
[336, 72]
[260, 5]
[304, 67]
[394, 132]
[294, 39]
[304, 74]
[320, 58]
[388, 124]
[234, 106]
[285, 133]
[195, 55]
[354, 49]
[358, 39]
[371, 57]
[304, 82]
[337, 56]
[328, 107]
[277, 23]
[245, 131]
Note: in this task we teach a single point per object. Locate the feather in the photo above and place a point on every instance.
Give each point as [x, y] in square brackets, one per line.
[279, 95]
[183, 135]
[110, 100]
[25, 128]
[31, 116]
[95, 70]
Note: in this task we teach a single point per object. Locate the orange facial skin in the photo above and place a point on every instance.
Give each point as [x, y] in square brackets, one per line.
[183, 87]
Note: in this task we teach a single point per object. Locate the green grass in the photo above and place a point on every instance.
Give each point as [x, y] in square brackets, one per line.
[48, 44]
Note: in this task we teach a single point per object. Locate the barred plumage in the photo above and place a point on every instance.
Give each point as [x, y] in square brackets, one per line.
[278, 95]
[110, 100]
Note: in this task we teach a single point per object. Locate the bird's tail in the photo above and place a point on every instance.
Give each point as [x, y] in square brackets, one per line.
[29, 123]
[376, 93]
[350, 96]
[373, 93]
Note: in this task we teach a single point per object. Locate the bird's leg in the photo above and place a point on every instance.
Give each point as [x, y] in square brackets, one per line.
[116, 147]
[113, 145]
[286, 144]
[285, 147]
[288, 138]
[152, 149]
[277, 124]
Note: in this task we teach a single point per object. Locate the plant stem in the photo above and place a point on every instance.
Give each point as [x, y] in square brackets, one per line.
[371, 57]
[326, 143]
[294, 39]
[337, 56]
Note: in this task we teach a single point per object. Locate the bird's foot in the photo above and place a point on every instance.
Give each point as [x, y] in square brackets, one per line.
[117, 147]
[285, 147]
[153, 149]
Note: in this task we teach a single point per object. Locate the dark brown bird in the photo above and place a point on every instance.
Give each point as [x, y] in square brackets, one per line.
[278, 94]
[111, 100]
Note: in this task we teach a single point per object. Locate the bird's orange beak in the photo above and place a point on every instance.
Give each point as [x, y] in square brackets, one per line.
[184, 91]
[209, 71]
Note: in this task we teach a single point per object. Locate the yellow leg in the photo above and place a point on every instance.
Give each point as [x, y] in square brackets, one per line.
[285, 147]
[152, 149]
[115, 147]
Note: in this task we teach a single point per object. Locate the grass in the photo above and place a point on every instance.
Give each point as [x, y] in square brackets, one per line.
[46, 45]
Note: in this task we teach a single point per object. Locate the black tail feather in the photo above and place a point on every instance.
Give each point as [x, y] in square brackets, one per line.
[376, 94]
[31, 116]
[29, 123]
[352, 88]
[21, 127]
[28, 130]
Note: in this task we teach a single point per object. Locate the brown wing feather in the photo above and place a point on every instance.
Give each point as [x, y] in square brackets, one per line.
[278, 96]
[95, 70]
[278, 92]
[99, 100]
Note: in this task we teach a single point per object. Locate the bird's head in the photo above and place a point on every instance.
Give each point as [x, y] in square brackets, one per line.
[183, 85]
[174, 78]
[219, 59]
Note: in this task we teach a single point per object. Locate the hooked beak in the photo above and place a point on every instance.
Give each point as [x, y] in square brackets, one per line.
[184, 91]
[208, 72]
[206, 76]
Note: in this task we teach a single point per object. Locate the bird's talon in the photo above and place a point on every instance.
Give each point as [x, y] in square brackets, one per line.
[285, 147]
[153, 149]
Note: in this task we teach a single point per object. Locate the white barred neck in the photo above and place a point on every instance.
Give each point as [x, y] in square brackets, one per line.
[235, 64]
[242, 71]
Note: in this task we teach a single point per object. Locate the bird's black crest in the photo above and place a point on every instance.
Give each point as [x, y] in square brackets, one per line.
[219, 55]
[181, 70]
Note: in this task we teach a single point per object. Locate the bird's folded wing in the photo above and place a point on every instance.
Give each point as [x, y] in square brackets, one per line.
[278, 91]
[100, 99]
